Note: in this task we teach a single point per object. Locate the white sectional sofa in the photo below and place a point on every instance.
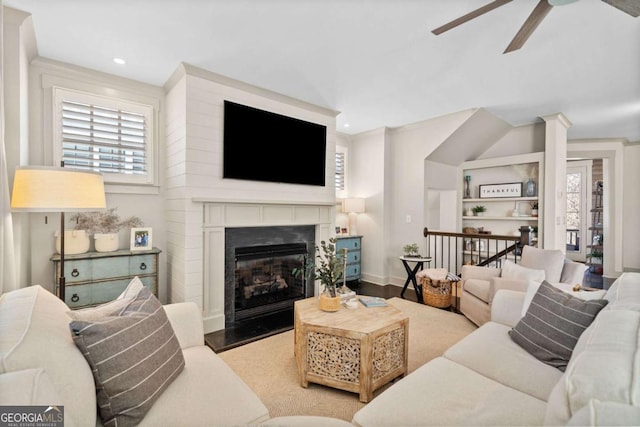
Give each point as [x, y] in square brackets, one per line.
[41, 365]
[487, 379]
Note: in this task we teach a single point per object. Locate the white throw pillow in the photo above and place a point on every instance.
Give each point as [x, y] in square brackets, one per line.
[549, 260]
[98, 312]
[511, 270]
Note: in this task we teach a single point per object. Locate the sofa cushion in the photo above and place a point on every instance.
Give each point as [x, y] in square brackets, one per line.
[444, 393]
[504, 361]
[549, 260]
[598, 413]
[511, 270]
[27, 387]
[134, 355]
[624, 294]
[207, 392]
[34, 334]
[572, 272]
[478, 288]
[551, 327]
[604, 367]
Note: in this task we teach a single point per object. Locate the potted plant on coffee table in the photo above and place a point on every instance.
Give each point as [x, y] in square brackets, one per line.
[326, 266]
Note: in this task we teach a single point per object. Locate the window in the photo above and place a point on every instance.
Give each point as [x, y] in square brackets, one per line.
[105, 135]
[340, 171]
[578, 177]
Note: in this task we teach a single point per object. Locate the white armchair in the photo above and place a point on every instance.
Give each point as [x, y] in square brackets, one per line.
[480, 284]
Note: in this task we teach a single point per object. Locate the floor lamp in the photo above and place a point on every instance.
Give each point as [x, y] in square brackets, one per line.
[353, 207]
[49, 189]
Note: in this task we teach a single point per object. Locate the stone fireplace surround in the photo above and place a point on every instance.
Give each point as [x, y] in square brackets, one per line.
[221, 215]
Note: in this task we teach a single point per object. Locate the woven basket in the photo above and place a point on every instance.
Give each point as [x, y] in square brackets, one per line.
[436, 293]
[329, 303]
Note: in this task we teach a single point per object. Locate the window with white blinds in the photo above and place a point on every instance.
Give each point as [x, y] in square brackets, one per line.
[340, 171]
[111, 136]
[103, 139]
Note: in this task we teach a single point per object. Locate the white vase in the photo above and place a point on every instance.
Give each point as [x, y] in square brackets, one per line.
[75, 242]
[107, 242]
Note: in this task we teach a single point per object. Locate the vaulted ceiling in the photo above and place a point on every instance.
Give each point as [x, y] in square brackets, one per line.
[375, 61]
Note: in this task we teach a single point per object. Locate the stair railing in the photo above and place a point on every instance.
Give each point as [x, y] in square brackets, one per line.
[453, 250]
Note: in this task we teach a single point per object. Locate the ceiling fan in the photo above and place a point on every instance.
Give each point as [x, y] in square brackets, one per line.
[632, 7]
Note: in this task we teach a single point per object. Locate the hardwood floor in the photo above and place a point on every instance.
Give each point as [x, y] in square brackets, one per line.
[246, 331]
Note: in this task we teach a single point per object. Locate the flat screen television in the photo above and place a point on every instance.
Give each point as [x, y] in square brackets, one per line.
[262, 146]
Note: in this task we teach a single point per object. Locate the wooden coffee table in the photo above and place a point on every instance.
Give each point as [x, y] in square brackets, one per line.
[357, 350]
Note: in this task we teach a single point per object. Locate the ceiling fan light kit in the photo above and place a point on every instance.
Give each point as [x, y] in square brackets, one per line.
[631, 7]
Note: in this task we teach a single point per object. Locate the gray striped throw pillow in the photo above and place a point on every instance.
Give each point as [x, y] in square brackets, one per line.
[553, 323]
[134, 355]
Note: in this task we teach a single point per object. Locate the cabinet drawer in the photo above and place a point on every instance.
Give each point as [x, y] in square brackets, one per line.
[353, 257]
[101, 292]
[353, 271]
[347, 243]
[77, 270]
[142, 264]
[105, 268]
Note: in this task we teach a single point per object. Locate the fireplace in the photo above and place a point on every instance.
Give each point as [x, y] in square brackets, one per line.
[261, 265]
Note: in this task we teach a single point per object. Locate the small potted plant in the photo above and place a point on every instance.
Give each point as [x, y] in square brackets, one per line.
[327, 267]
[534, 208]
[411, 250]
[104, 226]
[479, 210]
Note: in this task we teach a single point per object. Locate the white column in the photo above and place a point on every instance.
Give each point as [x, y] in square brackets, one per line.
[555, 174]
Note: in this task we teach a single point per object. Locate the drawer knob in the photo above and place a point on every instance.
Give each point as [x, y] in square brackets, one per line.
[143, 266]
[75, 273]
[75, 298]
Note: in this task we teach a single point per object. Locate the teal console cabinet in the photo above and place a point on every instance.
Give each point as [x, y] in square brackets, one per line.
[353, 245]
[94, 278]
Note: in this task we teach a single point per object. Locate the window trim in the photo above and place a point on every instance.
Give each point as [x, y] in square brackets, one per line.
[59, 94]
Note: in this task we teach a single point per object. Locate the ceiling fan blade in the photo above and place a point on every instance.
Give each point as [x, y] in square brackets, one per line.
[529, 26]
[632, 7]
[469, 16]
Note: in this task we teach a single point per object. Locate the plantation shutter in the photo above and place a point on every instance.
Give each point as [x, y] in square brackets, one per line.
[340, 169]
[103, 139]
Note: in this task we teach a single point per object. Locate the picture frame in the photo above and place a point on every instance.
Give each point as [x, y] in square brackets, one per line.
[141, 239]
[493, 191]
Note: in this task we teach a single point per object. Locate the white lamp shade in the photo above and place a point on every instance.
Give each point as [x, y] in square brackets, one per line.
[353, 205]
[48, 189]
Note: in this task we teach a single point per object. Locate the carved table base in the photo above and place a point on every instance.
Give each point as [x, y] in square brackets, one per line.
[355, 350]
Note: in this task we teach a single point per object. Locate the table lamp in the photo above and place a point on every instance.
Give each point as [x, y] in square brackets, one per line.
[50, 189]
[353, 207]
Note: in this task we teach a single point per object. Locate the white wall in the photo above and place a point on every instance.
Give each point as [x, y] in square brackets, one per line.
[367, 171]
[631, 208]
[146, 202]
[389, 167]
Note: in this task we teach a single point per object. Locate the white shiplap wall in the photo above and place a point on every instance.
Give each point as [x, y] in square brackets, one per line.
[194, 166]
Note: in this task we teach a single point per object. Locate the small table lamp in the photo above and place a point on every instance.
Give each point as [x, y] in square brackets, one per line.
[50, 189]
[353, 207]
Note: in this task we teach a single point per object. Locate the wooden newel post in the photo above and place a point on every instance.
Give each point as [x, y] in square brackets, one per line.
[526, 235]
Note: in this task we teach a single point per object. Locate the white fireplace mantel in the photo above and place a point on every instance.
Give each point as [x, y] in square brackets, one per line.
[218, 215]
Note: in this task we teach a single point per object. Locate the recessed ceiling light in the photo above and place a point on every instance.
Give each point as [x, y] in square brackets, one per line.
[119, 61]
[347, 125]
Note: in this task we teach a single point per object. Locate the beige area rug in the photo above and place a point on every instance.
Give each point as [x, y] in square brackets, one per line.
[268, 366]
